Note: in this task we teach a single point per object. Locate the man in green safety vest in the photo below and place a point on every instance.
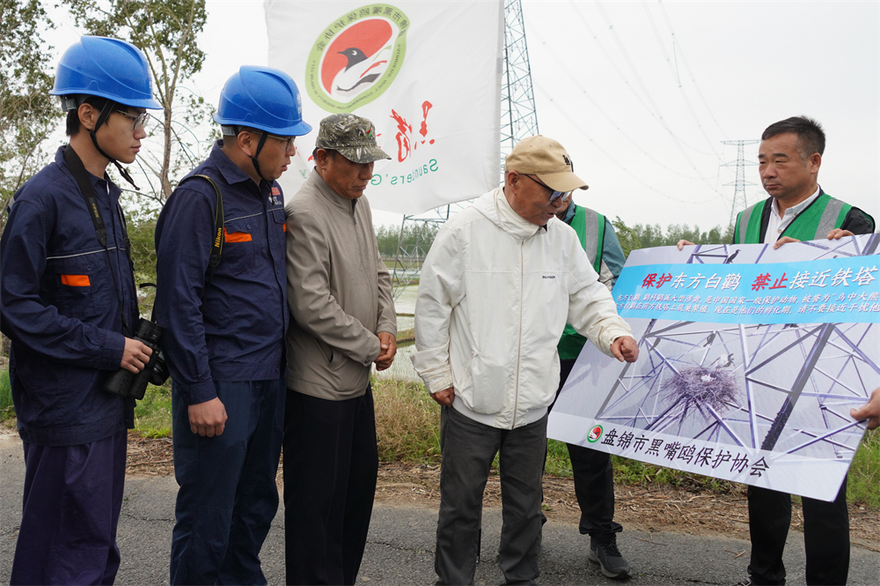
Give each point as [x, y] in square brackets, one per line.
[797, 209]
[592, 470]
[789, 158]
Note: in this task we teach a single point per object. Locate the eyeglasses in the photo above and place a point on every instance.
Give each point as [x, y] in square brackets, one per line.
[554, 195]
[138, 120]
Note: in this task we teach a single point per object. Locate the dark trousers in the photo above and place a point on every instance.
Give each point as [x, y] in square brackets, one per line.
[468, 448]
[330, 467]
[593, 481]
[72, 499]
[826, 537]
[228, 496]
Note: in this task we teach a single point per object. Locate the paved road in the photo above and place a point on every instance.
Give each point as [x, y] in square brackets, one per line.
[401, 543]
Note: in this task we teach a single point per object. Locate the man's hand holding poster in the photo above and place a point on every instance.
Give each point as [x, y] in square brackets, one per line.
[751, 359]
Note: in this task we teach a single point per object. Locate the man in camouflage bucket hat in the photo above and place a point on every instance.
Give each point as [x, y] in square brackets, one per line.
[351, 136]
[339, 293]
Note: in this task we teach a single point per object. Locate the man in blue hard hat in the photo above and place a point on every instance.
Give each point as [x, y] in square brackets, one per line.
[69, 305]
[224, 330]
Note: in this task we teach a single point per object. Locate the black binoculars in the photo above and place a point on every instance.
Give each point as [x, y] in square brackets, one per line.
[128, 384]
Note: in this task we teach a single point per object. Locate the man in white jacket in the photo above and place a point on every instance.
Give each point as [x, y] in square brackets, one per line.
[496, 290]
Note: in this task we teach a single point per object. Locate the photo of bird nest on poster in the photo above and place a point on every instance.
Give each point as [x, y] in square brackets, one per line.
[780, 387]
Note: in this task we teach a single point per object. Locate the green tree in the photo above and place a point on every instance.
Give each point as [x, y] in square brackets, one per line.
[27, 112]
[647, 236]
[141, 228]
[414, 238]
[628, 237]
[166, 31]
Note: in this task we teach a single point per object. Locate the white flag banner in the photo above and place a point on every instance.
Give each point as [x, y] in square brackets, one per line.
[750, 360]
[427, 74]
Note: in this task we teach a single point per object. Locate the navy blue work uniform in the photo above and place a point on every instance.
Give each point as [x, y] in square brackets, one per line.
[64, 299]
[224, 339]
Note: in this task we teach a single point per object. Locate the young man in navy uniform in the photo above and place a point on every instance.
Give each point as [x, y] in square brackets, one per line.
[224, 331]
[69, 306]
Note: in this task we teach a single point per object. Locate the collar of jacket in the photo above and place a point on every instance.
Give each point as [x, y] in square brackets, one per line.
[232, 173]
[347, 205]
[495, 207]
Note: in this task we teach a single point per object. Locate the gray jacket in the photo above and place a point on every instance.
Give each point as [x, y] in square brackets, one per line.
[338, 290]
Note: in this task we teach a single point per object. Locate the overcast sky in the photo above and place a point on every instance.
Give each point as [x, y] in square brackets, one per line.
[641, 94]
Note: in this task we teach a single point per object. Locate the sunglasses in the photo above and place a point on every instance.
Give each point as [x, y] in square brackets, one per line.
[554, 195]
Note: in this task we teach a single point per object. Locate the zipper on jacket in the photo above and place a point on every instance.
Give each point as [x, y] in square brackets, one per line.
[519, 343]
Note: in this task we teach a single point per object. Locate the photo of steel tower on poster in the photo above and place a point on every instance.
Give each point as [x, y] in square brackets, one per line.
[751, 359]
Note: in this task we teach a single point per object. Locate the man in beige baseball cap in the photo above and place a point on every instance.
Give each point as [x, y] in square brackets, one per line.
[497, 288]
[542, 161]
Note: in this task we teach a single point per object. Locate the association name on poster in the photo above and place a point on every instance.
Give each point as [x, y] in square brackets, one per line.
[691, 455]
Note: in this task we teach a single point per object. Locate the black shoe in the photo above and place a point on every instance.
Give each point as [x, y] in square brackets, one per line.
[606, 554]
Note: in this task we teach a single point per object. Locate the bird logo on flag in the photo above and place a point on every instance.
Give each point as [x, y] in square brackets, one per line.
[357, 58]
[352, 64]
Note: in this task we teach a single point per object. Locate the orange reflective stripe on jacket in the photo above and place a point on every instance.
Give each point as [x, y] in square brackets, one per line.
[236, 236]
[76, 280]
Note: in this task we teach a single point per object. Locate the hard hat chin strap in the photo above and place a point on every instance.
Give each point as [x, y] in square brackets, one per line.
[260, 144]
[102, 118]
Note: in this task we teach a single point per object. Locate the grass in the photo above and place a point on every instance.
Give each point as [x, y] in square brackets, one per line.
[864, 473]
[405, 337]
[407, 422]
[7, 411]
[408, 430]
[152, 414]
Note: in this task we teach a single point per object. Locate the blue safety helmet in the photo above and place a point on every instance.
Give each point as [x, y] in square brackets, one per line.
[263, 98]
[108, 68]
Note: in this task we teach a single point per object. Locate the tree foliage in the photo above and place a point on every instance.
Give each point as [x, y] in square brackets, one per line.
[141, 225]
[648, 236]
[166, 31]
[416, 238]
[27, 112]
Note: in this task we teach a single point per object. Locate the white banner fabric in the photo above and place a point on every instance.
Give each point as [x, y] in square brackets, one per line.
[427, 74]
[750, 361]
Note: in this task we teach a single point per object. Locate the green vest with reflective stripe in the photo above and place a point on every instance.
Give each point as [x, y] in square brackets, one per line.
[813, 223]
[571, 343]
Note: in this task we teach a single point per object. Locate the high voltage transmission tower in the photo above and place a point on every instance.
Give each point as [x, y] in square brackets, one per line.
[740, 183]
[518, 120]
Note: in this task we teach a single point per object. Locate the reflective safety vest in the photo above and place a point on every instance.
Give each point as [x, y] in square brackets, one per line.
[813, 223]
[592, 240]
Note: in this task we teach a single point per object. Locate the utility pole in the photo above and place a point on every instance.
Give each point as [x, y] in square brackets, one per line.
[739, 189]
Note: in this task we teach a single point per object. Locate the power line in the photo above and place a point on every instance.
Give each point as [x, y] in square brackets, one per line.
[654, 111]
[572, 78]
[690, 73]
[677, 78]
[622, 167]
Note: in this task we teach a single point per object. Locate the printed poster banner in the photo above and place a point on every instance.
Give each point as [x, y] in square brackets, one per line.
[750, 361]
[427, 74]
